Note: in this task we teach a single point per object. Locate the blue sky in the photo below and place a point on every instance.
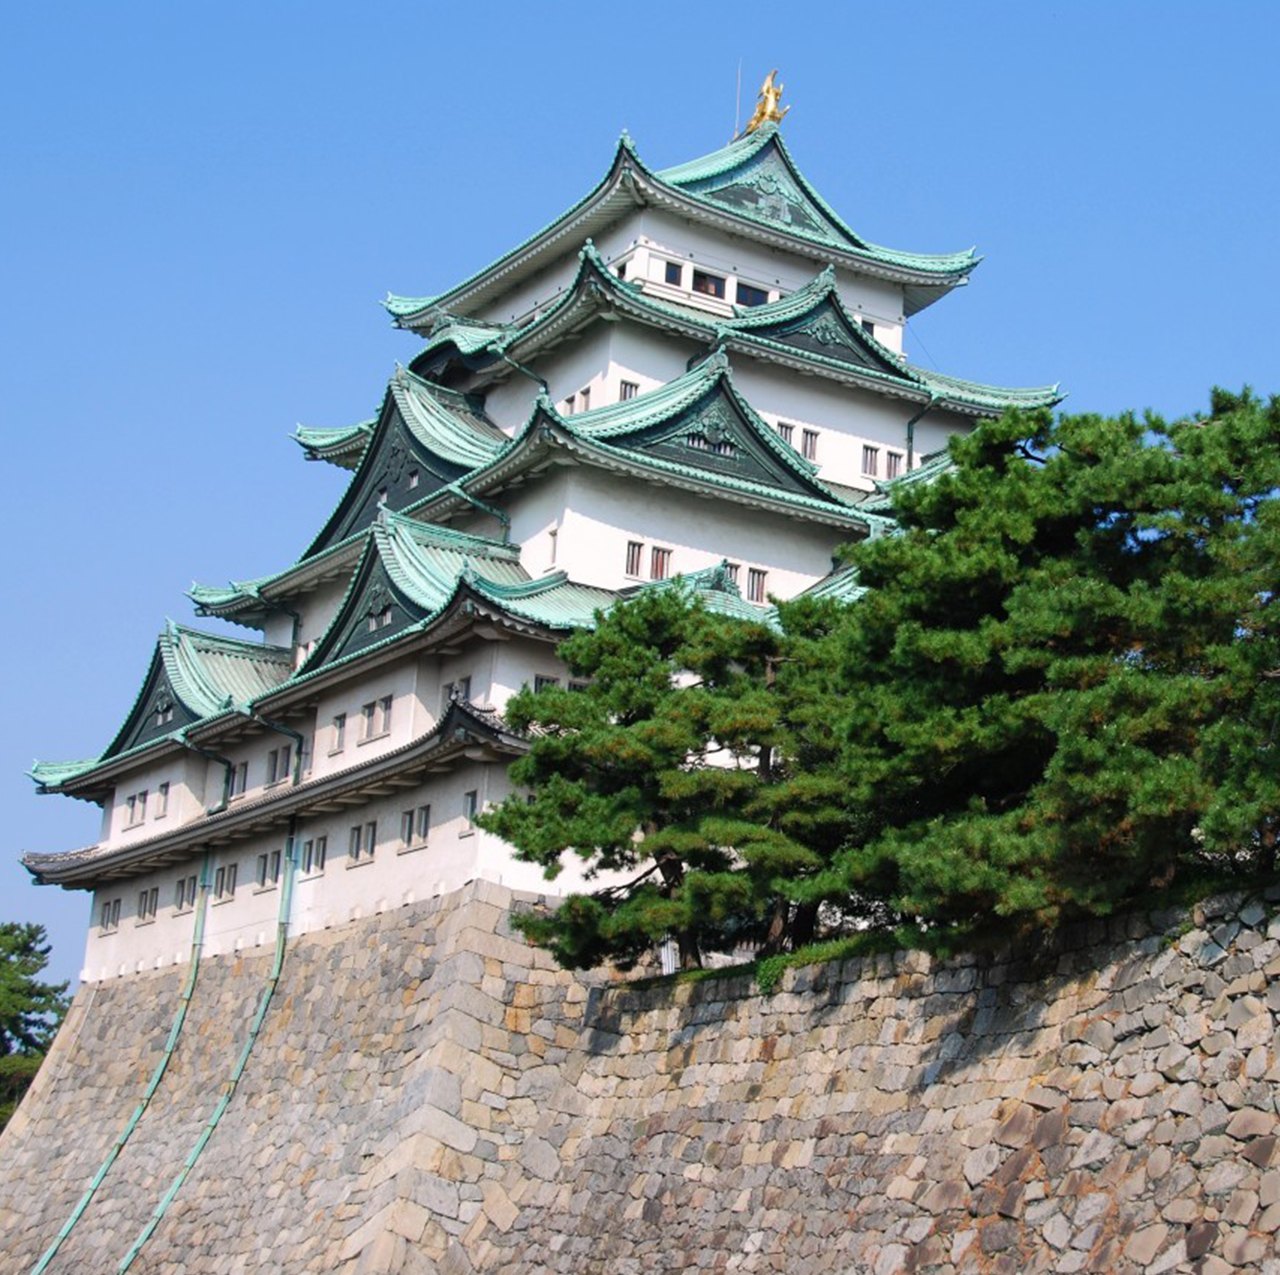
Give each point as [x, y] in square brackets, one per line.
[201, 204]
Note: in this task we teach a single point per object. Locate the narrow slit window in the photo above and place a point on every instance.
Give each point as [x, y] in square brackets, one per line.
[756, 579]
[659, 564]
[786, 432]
[635, 551]
[339, 733]
[162, 801]
[628, 390]
[870, 461]
[809, 444]
[470, 803]
[892, 464]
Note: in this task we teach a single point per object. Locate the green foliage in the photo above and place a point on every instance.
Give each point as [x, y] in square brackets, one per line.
[693, 763]
[1062, 681]
[30, 1010]
[1059, 696]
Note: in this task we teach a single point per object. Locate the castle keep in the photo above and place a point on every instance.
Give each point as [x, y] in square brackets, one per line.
[695, 372]
[307, 1037]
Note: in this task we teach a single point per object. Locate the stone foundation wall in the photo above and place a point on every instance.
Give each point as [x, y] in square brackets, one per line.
[428, 1094]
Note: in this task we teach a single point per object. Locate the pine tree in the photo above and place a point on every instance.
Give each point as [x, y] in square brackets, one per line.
[1061, 685]
[691, 761]
[30, 1010]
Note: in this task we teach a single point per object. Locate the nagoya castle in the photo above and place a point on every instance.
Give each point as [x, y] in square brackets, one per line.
[696, 371]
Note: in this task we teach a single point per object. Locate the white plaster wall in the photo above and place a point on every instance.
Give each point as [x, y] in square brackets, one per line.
[184, 773]
[345, 889]
[845, 418]
[399, 680]
[667, 236]
[604, 512]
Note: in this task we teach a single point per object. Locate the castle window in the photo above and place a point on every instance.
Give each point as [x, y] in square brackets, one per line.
[809, 444]
[731, 569]
[278, 764]
[238, 780]
[109, 917]
[184, 894]
[747, 295]
[620, 270]
[585, 397]
[578, 687]
[867, 326]
[756, 584]
[164, 712]
[540, 681]
[569, 404]
[413, 479]
[470, 804]
[354, 840]
[659, 564]
[135, 809]
[414, 826]
[870, 461]
[148, 902]
[370, 838]
[268, 869]
[314, 854]
[710, 285]
[376, 719]
[892, 464]
[786, 432]
[673, 273]
[162, 800]
[224, 882]
[458, 689]
[362, 842]
[627, 390]
[339, 733]
[634, 551]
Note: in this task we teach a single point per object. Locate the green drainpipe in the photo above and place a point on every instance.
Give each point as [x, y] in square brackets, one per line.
[184, 1002]
[911, 429]
[229, 1089]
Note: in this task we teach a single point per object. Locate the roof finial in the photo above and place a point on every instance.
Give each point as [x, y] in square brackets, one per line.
[767, 104]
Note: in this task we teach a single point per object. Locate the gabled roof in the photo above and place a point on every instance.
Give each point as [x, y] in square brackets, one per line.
[425, 437]
[695, 433]
[407, 574]
[751, 187]
[810, 328]
[192, 676]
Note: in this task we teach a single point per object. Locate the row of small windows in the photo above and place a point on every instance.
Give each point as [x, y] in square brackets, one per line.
[713, 285]
[375, 721]
[871, 462]
[362, 843]
[135, 806]
[659, 560]
[808, 439]
[660, 569]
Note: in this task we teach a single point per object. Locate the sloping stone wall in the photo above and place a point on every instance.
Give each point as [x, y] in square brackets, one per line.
[429, 1095]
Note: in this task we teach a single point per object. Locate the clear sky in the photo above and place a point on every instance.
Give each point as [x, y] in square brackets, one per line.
[201, 204]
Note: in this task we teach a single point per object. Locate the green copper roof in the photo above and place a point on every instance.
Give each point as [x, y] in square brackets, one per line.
[342, 447]
[192, 677]
[930, 469]
[810, 325]
[756, 178]
[752, 184]
[714, 587]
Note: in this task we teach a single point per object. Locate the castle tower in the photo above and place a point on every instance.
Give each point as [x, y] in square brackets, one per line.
[694, 371]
